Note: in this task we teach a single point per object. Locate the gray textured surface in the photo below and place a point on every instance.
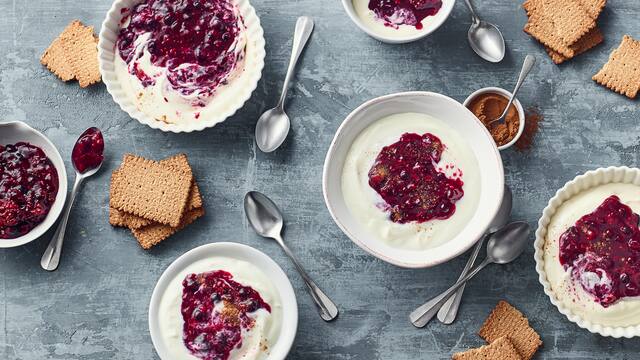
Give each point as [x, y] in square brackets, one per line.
[95, 305]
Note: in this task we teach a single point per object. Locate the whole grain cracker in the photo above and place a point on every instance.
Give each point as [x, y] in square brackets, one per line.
[500, 349]
[505, 320]
[154, 234]
[74, 55]
[592, 39]
[593, 7]
[543, 30]
[147, 189]
[622, 72]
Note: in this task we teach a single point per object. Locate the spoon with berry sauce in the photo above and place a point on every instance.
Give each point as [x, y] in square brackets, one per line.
[505, 245]
[87, 158]
[266, 219]
[273, 126]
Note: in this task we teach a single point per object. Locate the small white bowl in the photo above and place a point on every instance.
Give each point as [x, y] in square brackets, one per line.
[516, 102]
[273, 272]
[461, 121]
[581, 183]
[431, 24]
[106, 56]
[16, 131]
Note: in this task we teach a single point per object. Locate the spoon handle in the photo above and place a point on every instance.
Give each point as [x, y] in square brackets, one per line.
[327, 309]
[529, 61]
[422, 315]
[304, 28]
[51, 258]
[448, 311]
[474, 17]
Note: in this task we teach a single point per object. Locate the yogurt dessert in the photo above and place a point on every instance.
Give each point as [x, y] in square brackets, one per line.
[399, 18]
[411, 181]
[180, 61]
[28, 188]
[592, 254]
[220, 309]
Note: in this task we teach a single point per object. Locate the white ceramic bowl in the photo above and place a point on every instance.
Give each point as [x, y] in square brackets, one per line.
[581, 183]
[16, 131]
[273, 272]
[106, 56]
[461, 121]
[431, 23]
[516, 102]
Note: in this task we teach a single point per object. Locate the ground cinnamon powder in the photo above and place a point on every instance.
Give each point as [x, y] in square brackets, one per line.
[488, 107]
[531, 127]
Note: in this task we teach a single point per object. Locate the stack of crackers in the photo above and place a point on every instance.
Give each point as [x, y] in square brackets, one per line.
[74, 55]
[154, 199]
[509, 336]
[566, 28]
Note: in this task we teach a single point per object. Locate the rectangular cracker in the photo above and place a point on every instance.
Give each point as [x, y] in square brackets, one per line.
[147, 189]
[592, 39]
[505, 320]
[180, 162]
[151, 235]
[74, 55]
[622, 72]
[544, 31]
[593, 7]
[500, 349]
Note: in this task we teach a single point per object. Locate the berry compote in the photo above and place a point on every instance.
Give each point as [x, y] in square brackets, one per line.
[88, 152]
[215, 310]
[195, 40]
[406, 176]
[602, 250]
[28, 188]
[404, 12]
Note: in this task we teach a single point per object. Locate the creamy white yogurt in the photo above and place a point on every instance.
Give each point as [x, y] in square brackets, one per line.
[370, 20]
[163, 103]
[363, 201]
[256, 342]
[624, 312]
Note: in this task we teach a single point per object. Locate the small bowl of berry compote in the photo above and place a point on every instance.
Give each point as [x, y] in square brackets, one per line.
[33, 184]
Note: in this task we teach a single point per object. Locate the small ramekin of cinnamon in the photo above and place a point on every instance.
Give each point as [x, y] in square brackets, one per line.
[487, 104]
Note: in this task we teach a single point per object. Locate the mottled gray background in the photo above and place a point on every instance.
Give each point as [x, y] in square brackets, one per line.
[95, 306]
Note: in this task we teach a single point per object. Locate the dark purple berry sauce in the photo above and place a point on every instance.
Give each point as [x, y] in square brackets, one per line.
[404, 12]
[407, 177]
[88, 152]
[603, 251]
[194, 40]
[28, 188]
[211, 332]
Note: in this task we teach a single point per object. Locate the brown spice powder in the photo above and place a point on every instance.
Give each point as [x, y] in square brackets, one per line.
[488, 107]
[533, 118]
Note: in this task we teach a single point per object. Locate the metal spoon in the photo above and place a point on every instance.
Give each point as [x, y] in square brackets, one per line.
[527, 65]
[273, 126]
[504, 246]
[266, 219]
[448, 311]
[51, 258]
[485, 38]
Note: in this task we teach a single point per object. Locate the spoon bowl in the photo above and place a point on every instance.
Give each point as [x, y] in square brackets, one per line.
[506, 244]
[272, 129]
[487, 41]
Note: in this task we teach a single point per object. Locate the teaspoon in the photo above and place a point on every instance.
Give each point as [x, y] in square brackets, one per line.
[504, 246]
[266, 219]
[273, 126]
[87, 158]
[527, 65]
[485, 38]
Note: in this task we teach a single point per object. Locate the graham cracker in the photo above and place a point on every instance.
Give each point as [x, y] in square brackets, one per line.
[592, 39]
[500, 349]
[505, 320]
[622, 72]
[593, 7]
[153, 234]
[74, 55]
[147, 189]
[543, 30]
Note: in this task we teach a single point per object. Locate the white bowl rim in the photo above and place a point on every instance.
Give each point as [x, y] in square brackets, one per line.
[540, 238]
[348, 7]
[516, 102]
[283, 285]
[61, 197]
[325, 180]
[253, 27]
